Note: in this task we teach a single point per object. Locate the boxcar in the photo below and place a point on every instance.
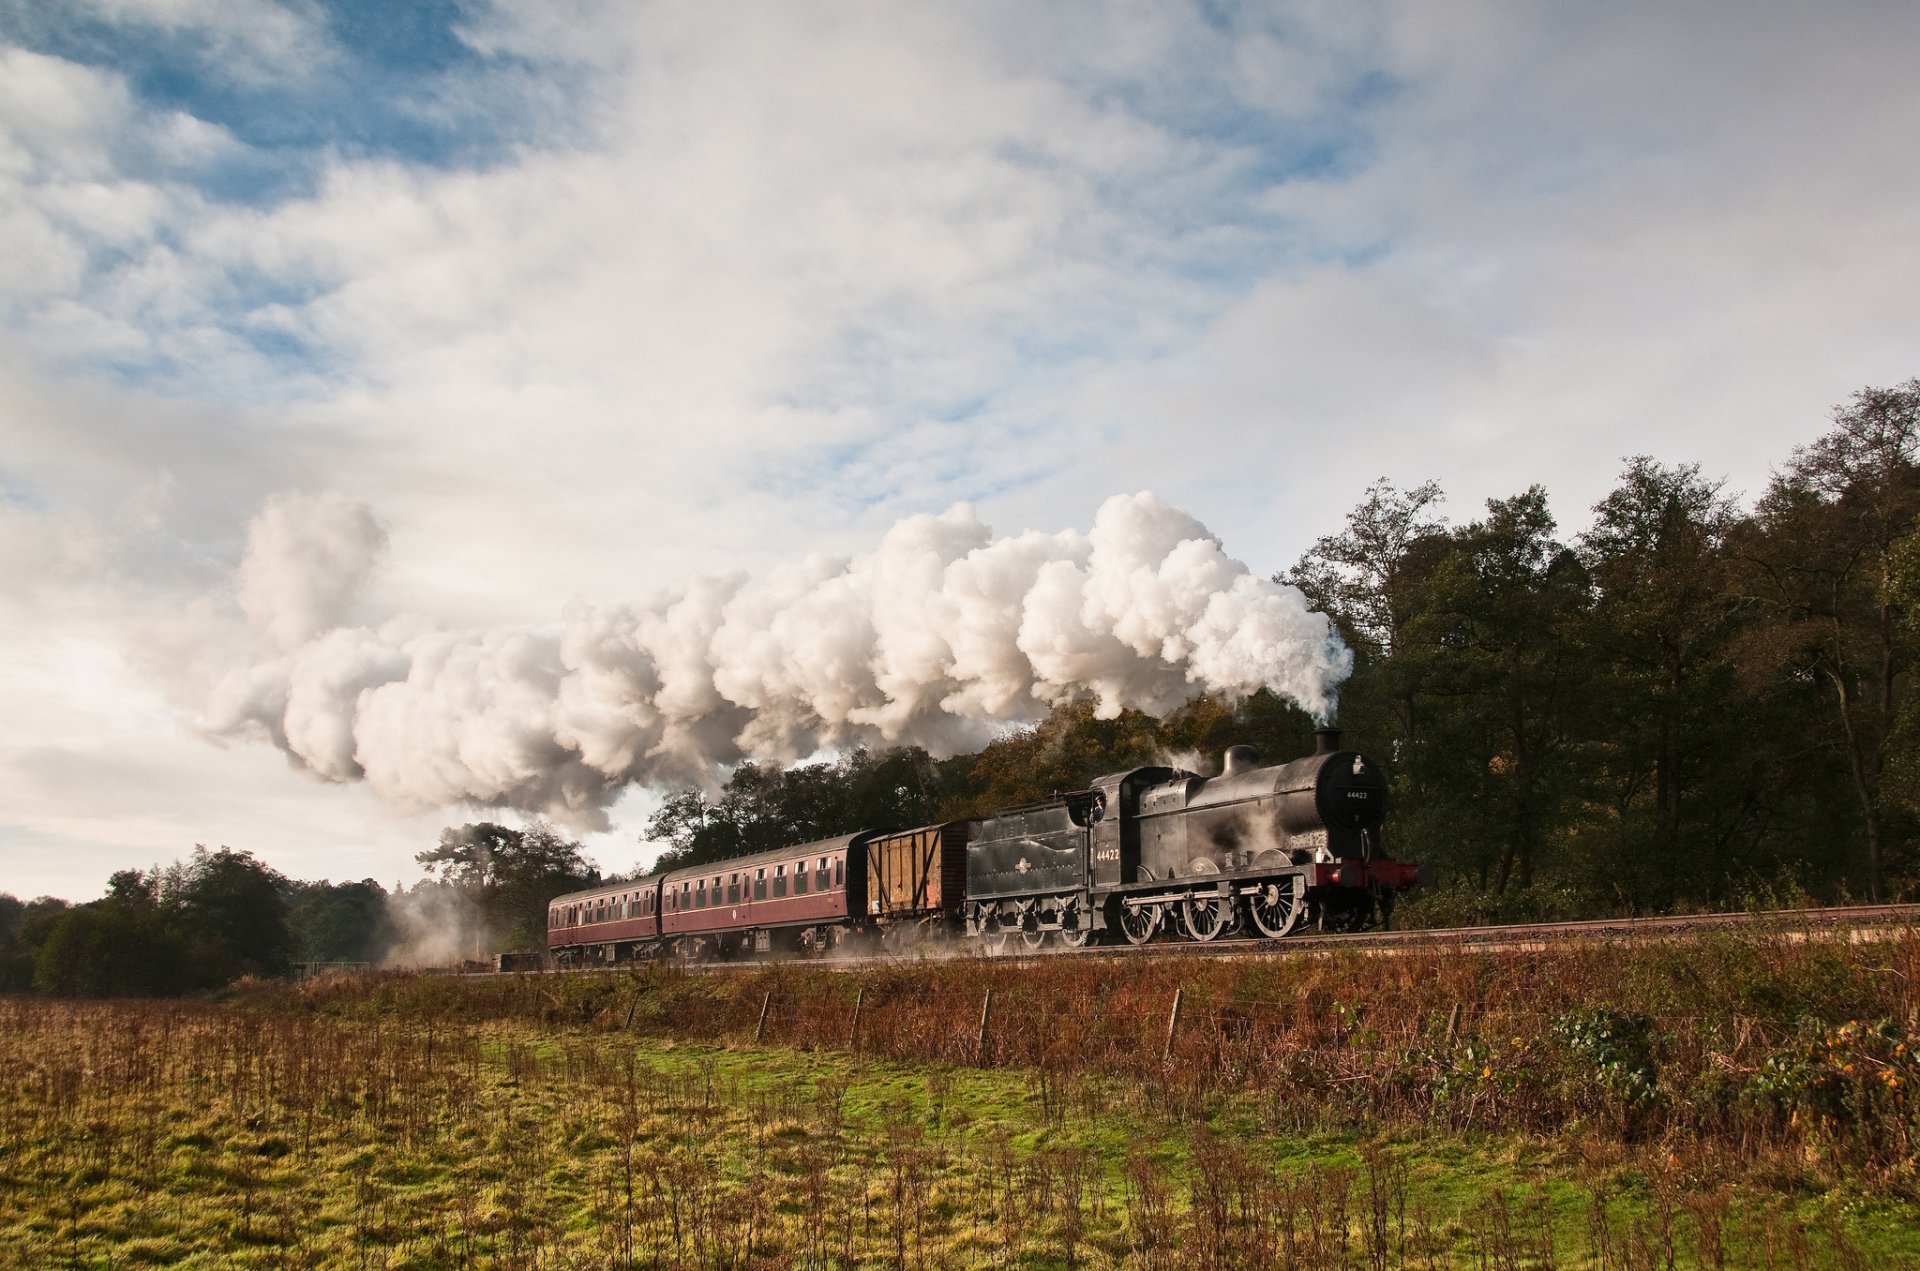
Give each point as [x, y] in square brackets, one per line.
[917, 879]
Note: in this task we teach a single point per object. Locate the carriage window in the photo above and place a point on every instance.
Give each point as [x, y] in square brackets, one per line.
[839, 871]
[759, 884]
[800, 878]
[700, 895]
[779, 881]
[822, 875]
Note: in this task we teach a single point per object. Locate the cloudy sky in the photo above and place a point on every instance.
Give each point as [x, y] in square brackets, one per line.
[333, 327]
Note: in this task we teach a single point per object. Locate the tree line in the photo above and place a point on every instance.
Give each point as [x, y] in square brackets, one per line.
[221, 915]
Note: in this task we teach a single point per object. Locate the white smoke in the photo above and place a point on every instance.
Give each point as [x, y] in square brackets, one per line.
[437, 925]
[307, 559]
[937, 637]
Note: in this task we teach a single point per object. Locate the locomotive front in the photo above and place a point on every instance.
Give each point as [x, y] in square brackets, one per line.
[1312, 826]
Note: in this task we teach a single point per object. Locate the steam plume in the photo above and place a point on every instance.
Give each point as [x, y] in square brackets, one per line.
[937, 636]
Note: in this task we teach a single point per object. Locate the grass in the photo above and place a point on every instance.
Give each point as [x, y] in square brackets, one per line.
[1313, 1113]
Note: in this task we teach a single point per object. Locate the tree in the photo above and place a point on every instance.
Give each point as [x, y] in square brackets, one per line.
[1356, 576]
[1821, 558]
[344, 922]
[1485, 651]
[1664, 711]
[510, 874]
[115, 947]
[24, 928]
[233, 911]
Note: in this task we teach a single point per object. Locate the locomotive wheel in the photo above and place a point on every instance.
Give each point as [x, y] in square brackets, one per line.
[1206, 917]
[1273, 910]
[1033, 939]
[1076, 926]
[1140, 925]
[994, 944]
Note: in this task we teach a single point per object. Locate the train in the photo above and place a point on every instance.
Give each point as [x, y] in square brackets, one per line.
[1136, 855]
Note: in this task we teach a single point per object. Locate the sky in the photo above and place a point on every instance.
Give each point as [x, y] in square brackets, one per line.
[332, 328]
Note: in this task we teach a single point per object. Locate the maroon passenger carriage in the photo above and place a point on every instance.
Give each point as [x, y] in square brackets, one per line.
[803, 899]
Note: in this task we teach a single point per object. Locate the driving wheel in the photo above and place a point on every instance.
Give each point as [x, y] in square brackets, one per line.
[1274, 910]
[1206, 916]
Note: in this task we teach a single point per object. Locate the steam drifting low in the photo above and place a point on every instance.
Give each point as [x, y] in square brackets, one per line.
[935, 638]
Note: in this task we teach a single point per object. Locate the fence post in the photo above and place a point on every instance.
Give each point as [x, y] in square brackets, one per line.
[1453, 1022]
[760, 1029]
[1173, 1023]
[980, 1038]
[853, 1036]
[638, 989]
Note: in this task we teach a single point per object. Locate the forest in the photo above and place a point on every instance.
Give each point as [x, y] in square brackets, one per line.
[1695, 702]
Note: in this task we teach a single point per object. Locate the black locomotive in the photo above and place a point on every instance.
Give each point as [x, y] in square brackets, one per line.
[1135, 854]
[1157, 848]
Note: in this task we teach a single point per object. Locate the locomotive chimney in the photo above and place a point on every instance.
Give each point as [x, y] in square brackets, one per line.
[1239, 759]
[1326, 740]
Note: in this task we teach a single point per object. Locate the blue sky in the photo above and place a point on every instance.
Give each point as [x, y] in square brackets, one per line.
[582, 298]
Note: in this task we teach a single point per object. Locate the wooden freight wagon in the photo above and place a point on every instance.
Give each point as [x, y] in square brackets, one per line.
[917, 876]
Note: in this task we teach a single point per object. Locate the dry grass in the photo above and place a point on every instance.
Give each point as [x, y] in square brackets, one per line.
[1323, 1112]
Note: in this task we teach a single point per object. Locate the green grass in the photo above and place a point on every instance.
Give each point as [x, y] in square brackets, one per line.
[232, 1136]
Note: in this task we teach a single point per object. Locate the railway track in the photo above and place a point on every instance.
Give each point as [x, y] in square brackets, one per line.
[1861, 921]
[1543, 935]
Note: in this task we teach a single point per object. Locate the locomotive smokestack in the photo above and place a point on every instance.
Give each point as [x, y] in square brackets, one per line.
[1239, 759]
[1326, 740]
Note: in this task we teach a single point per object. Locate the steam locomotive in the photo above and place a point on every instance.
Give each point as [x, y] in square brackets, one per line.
[1136, 854]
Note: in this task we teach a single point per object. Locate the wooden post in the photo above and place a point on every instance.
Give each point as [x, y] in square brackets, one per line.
[1453, 1022]
[853, 1037]
[638, 989]
[760, 1029]
[1173, 1022]
[980, 1038]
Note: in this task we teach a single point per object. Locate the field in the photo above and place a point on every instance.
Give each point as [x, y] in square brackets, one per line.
[1734, 1101]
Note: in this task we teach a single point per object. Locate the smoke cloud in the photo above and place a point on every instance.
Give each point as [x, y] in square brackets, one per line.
[436, 925]
[938, 637]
